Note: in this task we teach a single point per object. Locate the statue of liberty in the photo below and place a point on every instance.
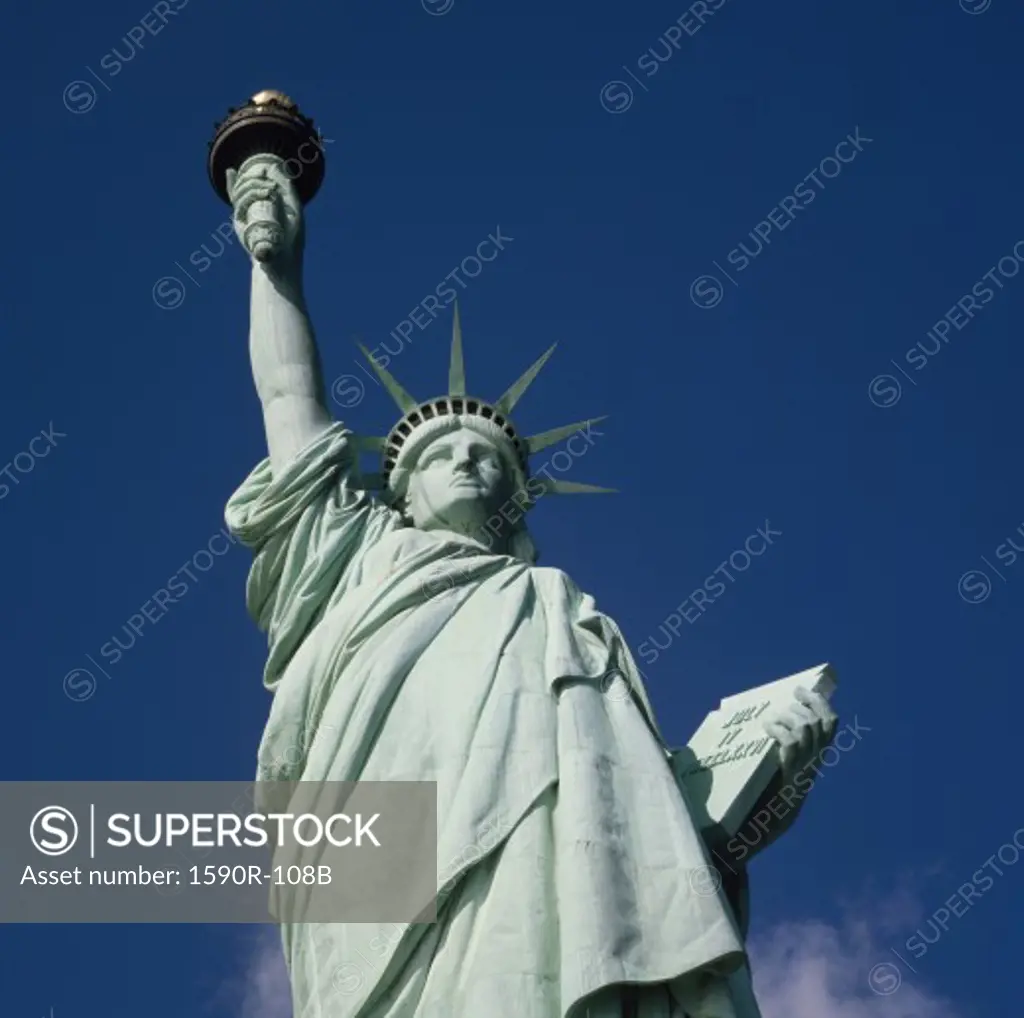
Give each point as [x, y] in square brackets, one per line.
[412, 636]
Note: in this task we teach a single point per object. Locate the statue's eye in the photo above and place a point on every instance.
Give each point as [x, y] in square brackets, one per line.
[434, 455]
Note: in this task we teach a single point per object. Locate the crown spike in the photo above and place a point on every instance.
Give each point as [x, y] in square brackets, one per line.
[457, 367]
[398, 394]
[515, 391]
[553, 486]
[534, 443]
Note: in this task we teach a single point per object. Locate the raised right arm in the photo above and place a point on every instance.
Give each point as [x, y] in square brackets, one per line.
[285, 366]
[282, 346]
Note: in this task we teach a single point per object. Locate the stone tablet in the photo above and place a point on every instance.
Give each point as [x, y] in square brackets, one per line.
[729, 762]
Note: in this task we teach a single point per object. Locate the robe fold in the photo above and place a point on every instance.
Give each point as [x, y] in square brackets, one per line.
[568, 862]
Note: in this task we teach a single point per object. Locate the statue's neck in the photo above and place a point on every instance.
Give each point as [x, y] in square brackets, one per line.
[486, 540]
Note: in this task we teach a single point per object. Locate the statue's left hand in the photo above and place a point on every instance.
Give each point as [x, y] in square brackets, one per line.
[802, 730]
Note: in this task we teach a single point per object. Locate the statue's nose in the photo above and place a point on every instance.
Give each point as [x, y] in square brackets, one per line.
[463, 459]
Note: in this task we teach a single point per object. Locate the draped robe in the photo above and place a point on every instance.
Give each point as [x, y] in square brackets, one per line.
[568, 861]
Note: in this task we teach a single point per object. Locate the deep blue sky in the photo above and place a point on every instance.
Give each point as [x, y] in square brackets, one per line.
[442, 128]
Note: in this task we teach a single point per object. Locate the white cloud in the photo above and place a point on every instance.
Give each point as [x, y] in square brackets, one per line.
[815, 970]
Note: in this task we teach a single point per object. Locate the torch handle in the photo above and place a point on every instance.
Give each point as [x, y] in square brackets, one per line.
[263, 234]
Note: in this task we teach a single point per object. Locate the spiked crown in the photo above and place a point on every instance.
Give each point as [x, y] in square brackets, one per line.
[421, 420]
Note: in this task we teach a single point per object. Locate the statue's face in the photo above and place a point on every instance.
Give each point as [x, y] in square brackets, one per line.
[458, 483]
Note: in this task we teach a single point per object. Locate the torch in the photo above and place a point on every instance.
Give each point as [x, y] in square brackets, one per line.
[269, 127]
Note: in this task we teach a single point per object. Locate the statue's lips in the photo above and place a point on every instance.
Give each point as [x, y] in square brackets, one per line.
[467, 482]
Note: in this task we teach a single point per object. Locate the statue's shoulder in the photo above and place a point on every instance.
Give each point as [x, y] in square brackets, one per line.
[558, 583]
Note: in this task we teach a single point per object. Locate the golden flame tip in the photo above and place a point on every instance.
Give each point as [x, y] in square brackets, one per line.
[272, 95]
